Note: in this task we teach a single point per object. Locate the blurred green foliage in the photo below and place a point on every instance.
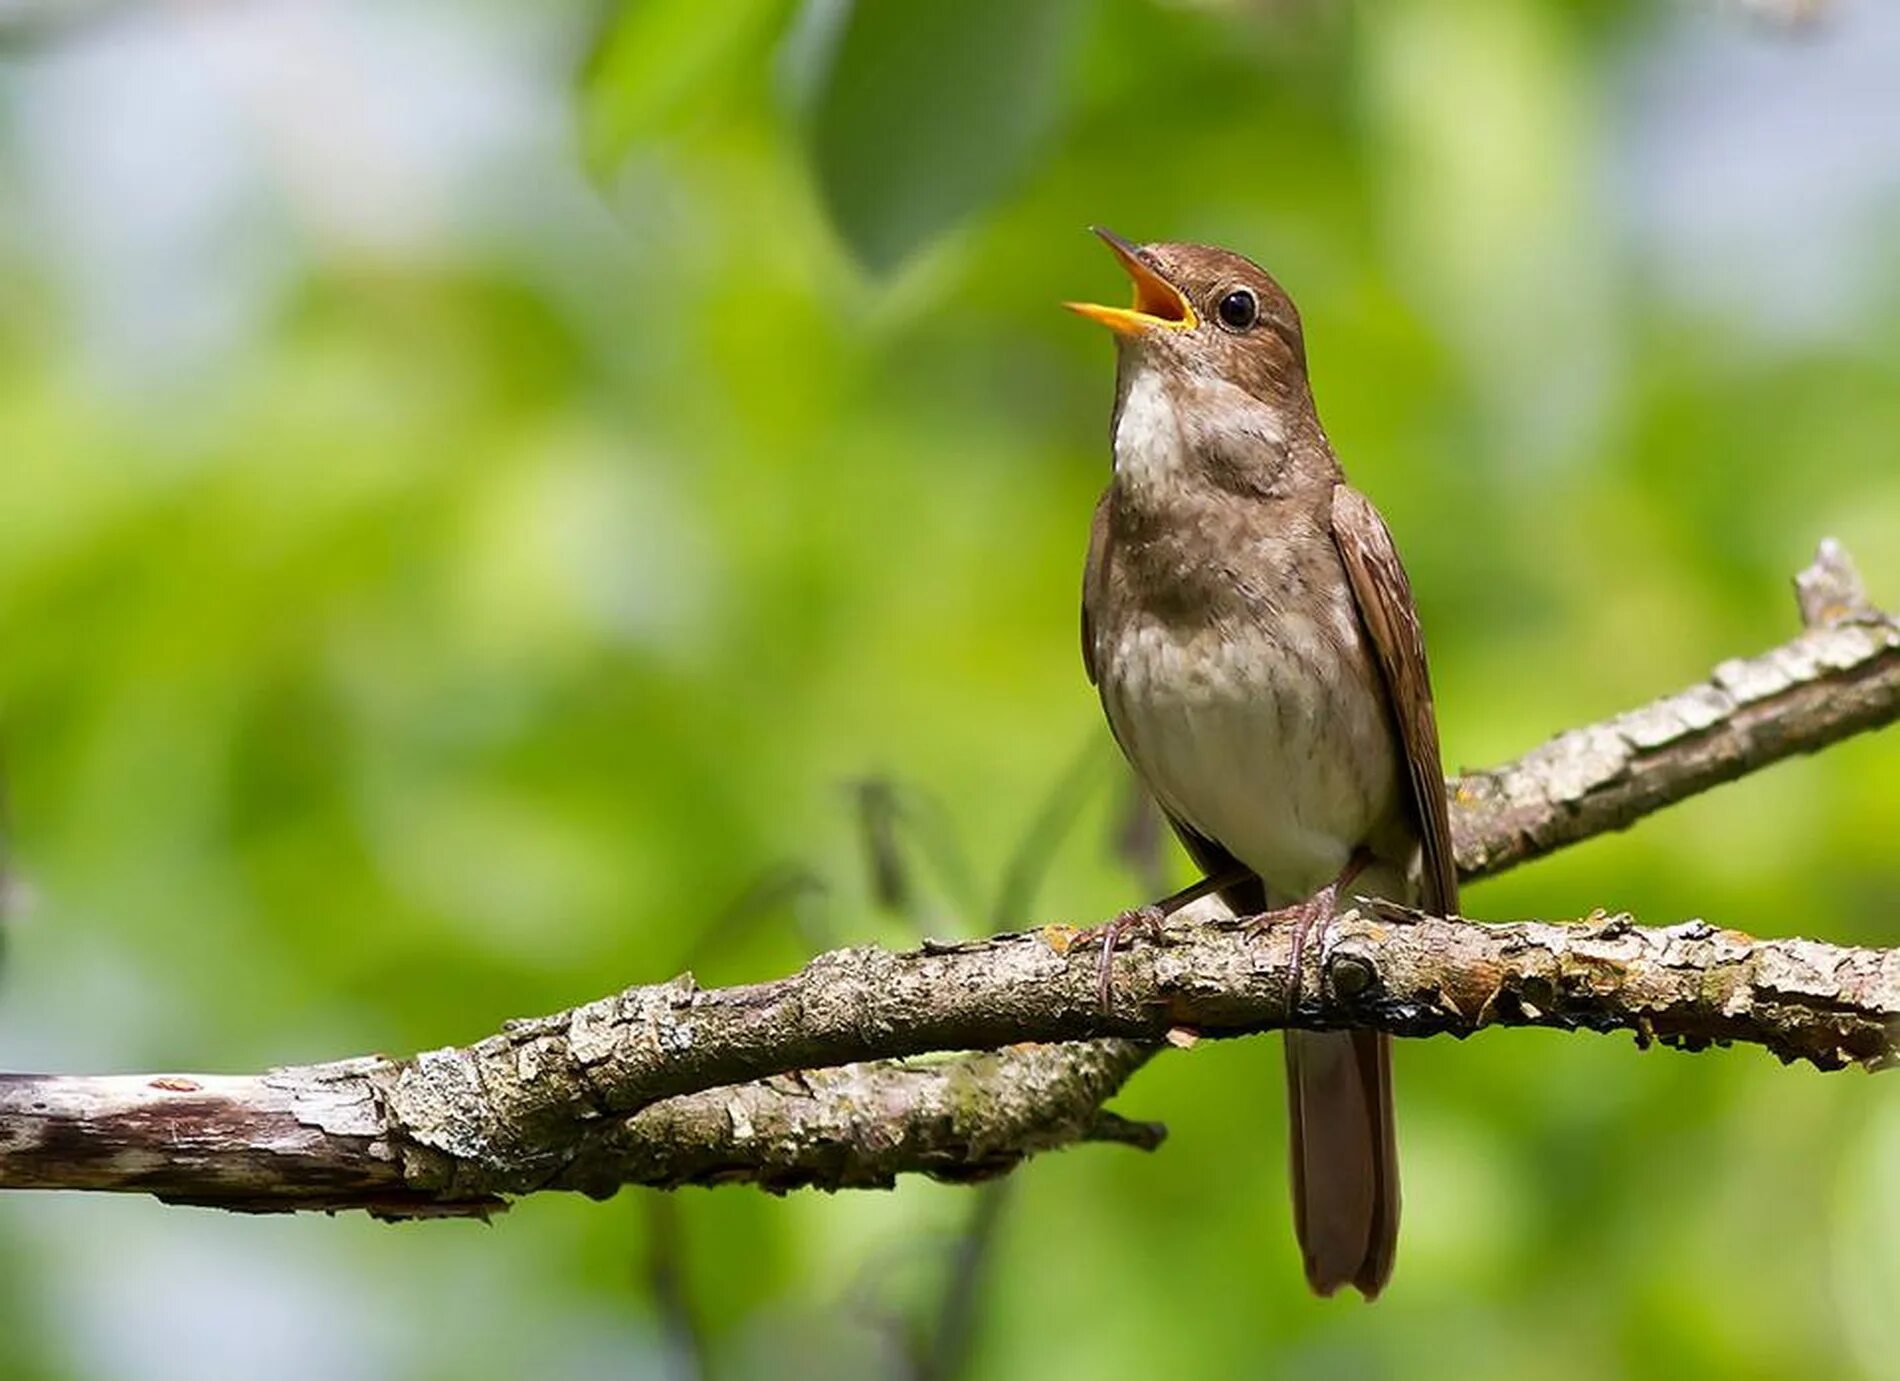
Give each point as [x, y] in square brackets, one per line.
[511, 613]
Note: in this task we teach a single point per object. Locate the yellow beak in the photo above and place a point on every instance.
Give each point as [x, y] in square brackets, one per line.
[1158, 305]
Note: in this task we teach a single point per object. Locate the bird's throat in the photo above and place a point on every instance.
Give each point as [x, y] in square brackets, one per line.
[1151, 445]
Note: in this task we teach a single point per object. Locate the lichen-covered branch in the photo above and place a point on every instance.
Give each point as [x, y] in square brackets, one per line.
[960, 1120]
[1411, 975]
[321, 1137]
[1841, 676]
[670, 1084]
[593, 1098]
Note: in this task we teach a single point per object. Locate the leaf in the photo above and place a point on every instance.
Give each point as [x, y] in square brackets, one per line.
[653, 60]
[920, 112]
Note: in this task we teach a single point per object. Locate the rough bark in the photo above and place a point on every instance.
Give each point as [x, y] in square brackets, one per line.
[670, 1084]
[323, 1136]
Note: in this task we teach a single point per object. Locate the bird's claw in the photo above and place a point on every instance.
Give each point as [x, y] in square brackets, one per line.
[1306, 917]
[1146, 919]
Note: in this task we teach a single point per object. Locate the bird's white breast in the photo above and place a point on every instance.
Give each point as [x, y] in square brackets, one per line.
[1238, 736]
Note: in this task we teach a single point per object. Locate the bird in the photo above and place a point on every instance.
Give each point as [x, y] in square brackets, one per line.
[1253, 638]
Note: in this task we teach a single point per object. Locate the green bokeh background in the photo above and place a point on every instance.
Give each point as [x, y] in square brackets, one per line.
[555, 521]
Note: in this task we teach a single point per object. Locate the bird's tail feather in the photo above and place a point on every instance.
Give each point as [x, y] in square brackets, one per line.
[1345, 1157]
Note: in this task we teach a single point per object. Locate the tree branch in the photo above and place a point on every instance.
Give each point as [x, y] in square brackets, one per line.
[1840, 677]
[324, 1137]
[671, 1084]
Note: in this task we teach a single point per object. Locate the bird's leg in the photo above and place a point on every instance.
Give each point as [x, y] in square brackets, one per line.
[1315, 913]
[1149, 918]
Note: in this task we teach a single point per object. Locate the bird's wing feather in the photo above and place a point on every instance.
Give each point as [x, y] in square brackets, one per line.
[1384, 597]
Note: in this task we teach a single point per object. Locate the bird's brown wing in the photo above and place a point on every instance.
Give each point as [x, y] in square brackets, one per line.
[1384, 596]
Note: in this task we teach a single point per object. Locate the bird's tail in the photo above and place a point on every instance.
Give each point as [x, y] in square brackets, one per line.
[1345, 1157]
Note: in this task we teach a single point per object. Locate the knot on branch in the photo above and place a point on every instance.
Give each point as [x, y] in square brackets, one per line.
[1352, 972]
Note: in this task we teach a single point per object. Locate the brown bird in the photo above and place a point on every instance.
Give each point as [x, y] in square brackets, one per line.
[1253, 637]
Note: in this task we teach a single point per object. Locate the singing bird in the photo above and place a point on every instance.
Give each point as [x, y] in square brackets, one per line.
[1253, 638]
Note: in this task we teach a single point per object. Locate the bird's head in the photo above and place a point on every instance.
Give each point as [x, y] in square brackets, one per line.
[1208, 313]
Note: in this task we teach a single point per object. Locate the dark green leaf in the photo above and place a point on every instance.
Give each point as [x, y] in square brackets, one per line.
[923, 111]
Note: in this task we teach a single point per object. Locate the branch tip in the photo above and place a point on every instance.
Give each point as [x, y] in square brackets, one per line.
[1829, 591]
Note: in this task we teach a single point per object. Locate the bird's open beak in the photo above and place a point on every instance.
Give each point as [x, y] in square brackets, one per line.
[1158, 306]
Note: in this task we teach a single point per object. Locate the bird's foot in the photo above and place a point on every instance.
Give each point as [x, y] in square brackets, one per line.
[1146, 919]
[1314, 913]
[1308, 917]
[1149, 919]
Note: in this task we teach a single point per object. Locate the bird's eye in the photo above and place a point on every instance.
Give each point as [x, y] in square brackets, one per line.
[1238, 310]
